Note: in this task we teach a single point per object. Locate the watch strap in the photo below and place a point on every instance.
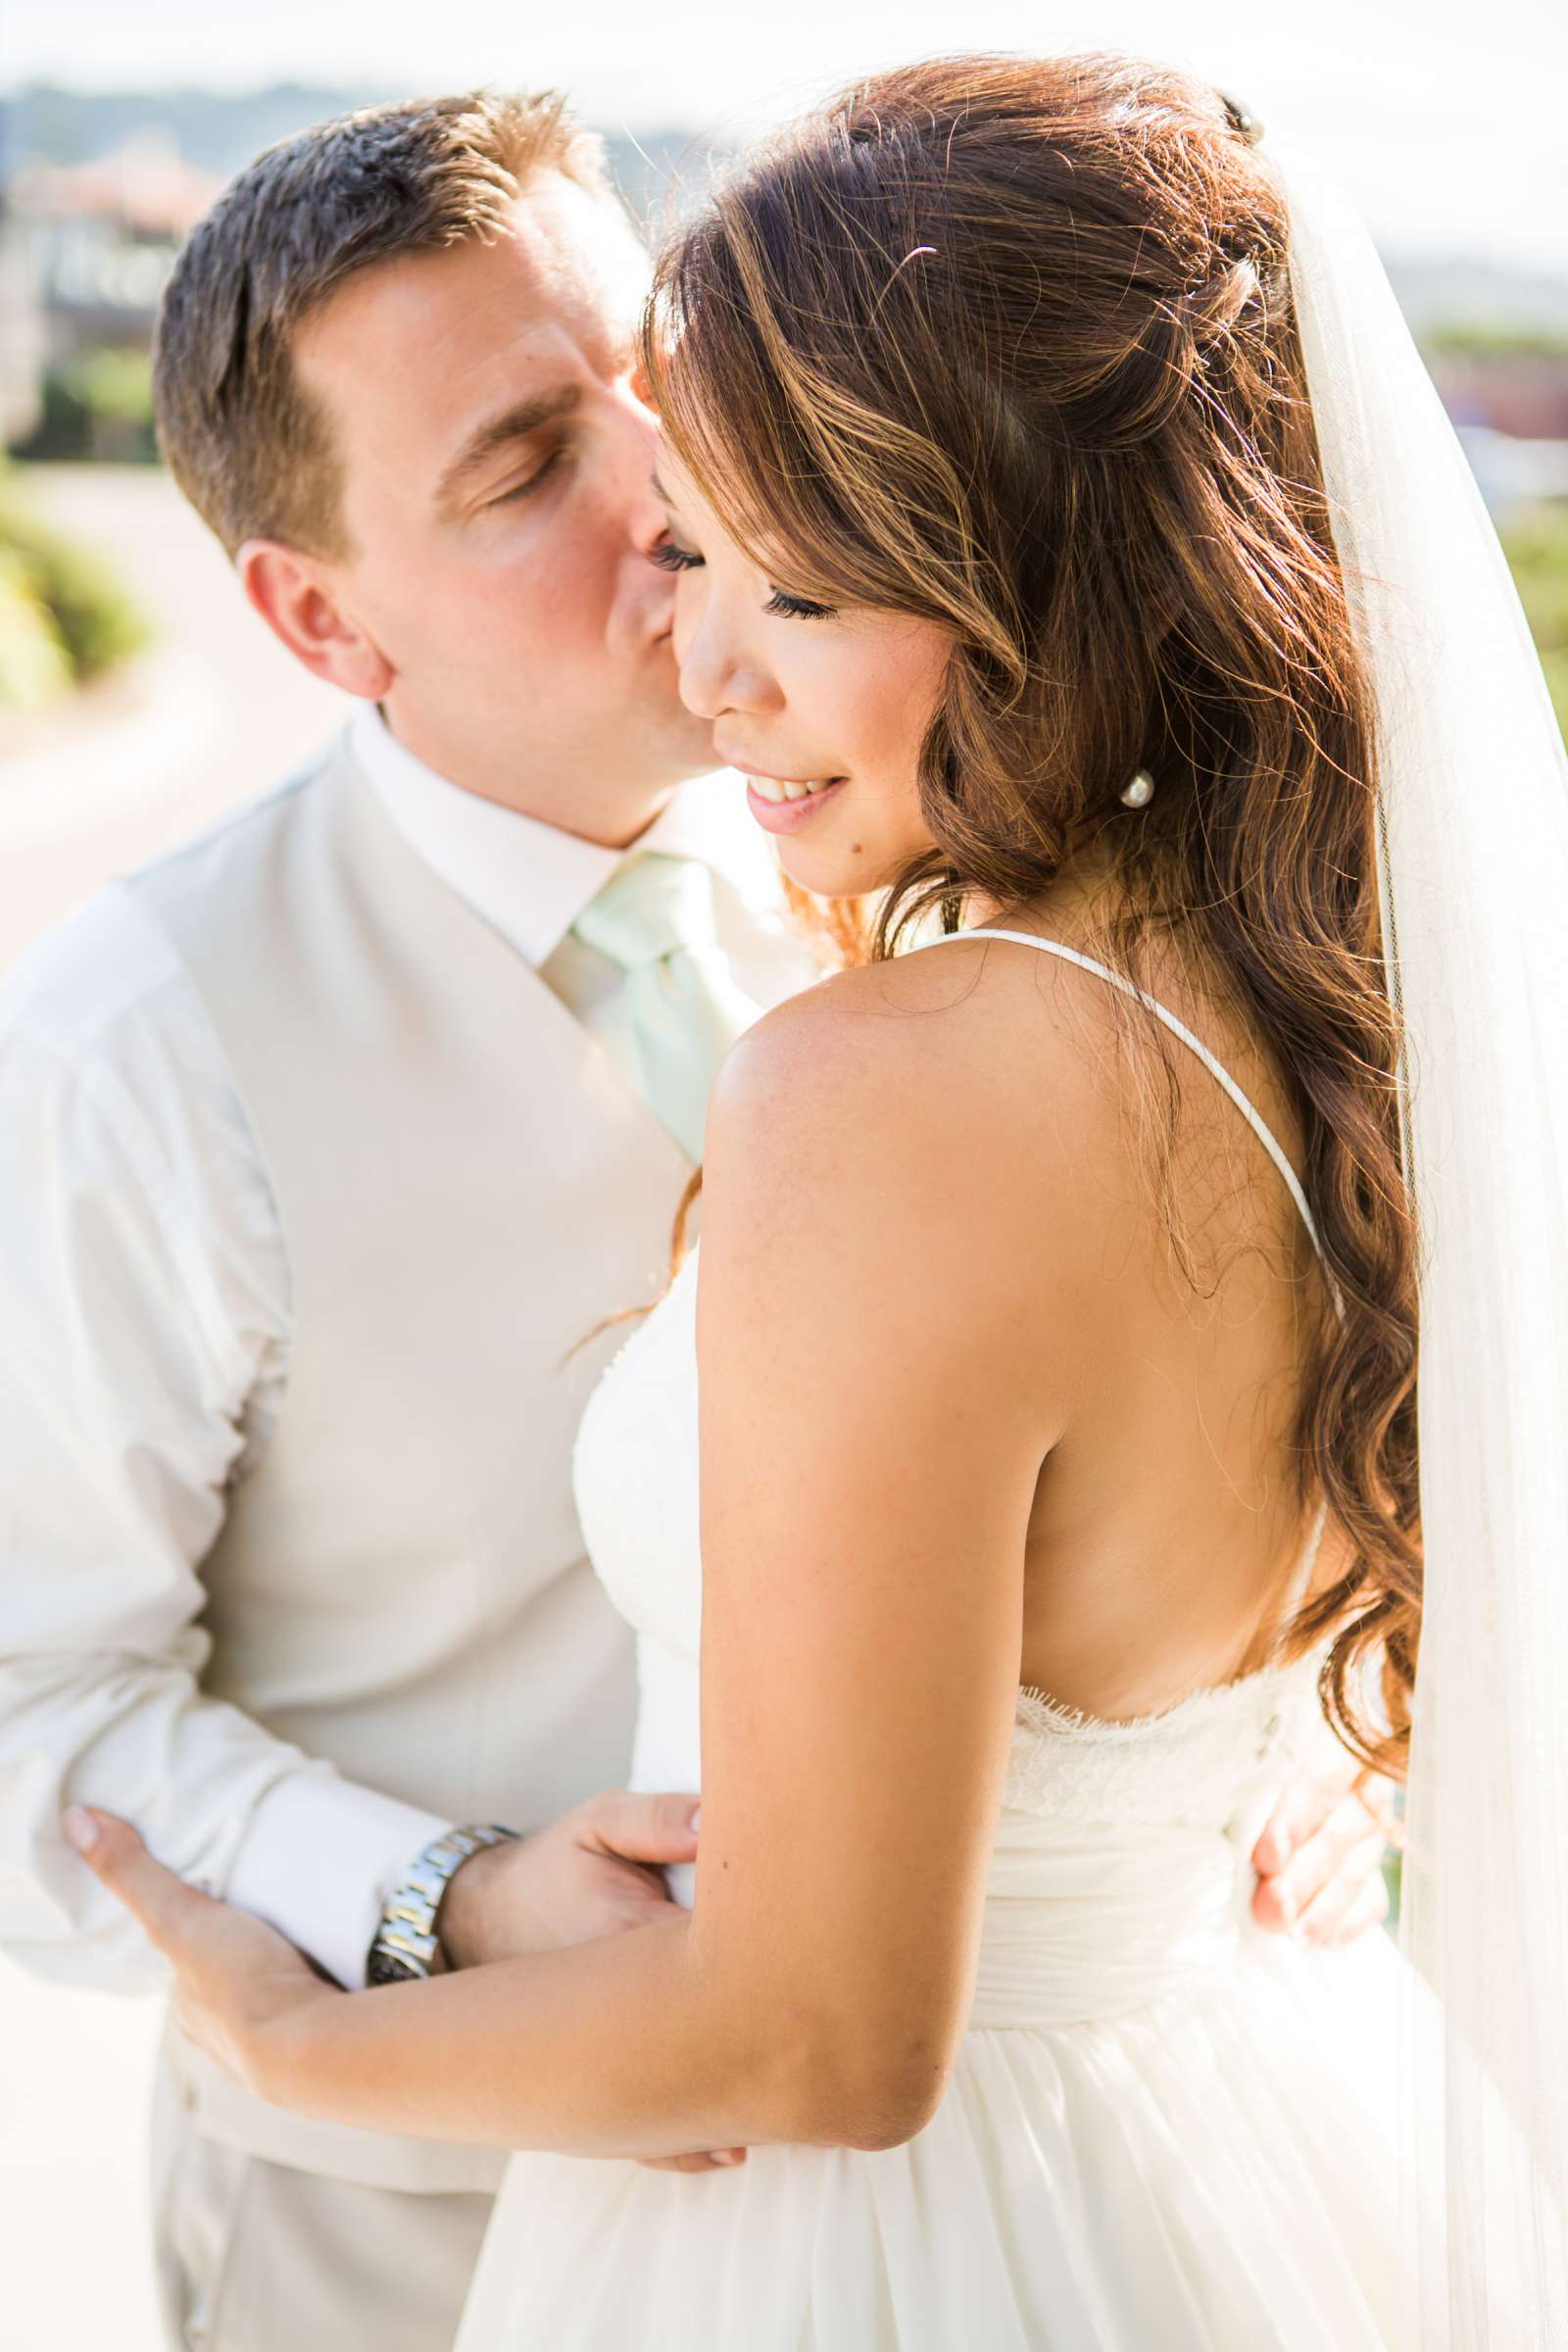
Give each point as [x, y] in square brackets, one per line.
[406, 1942]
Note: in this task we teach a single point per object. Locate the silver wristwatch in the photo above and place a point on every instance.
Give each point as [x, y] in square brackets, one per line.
[404, 1944]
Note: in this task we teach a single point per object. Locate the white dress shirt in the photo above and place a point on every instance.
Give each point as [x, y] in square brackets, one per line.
[144, 1350]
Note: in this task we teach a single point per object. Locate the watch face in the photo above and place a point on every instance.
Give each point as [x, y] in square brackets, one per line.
[383, 1968]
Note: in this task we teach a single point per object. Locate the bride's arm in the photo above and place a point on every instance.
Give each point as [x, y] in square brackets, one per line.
[872, 1429]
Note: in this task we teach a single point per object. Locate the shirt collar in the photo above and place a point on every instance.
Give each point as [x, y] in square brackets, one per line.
[532, 880]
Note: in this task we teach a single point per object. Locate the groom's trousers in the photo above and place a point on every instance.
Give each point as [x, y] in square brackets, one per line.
[260, 2257]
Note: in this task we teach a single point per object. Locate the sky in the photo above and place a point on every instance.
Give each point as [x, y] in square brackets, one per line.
[1443, 120]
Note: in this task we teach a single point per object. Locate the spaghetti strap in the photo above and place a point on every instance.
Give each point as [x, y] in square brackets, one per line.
[1301, 1577]
[1216, 1068]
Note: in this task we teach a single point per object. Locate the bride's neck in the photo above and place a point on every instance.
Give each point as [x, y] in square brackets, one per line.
[1080, 904]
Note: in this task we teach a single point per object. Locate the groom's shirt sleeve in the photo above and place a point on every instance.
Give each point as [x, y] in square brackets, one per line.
[144, 1325]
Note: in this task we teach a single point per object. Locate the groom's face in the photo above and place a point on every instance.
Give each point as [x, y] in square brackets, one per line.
[496, 496]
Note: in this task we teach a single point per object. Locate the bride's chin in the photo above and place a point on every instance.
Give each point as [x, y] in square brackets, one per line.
[847, 867]
[849, 875]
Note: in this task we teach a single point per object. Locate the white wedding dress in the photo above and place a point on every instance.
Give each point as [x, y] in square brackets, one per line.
[1165, 2130]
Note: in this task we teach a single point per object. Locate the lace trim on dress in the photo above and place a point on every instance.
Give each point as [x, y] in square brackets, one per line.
[1185, 1764]
[1038, 1711]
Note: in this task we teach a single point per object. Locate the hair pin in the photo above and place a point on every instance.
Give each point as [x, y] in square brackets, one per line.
[1242, 119]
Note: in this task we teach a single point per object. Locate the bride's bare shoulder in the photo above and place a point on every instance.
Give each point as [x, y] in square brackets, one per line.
[963, 1073]
[980, 1011]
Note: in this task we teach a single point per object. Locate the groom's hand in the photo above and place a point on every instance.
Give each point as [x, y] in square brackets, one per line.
[591, 1873]
[1319, 1860]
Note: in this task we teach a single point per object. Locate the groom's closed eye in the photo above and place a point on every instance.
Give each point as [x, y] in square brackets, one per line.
[531, 481]
[516, 423]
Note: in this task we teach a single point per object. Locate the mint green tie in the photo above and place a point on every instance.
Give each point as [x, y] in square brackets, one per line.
[655, 919]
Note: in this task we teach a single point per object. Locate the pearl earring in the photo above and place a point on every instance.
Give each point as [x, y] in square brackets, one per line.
[1140, 791]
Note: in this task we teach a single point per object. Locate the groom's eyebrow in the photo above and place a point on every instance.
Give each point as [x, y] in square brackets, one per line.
[515, 423]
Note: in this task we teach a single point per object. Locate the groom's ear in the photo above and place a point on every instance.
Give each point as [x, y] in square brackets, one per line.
[299, 598]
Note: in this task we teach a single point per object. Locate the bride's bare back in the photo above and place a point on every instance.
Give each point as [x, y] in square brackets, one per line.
[1166, 1534]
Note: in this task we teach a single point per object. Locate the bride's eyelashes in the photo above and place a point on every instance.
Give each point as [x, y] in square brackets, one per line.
[671, 558]
[797, 607]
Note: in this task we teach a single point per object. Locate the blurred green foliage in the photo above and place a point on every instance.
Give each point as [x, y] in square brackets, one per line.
[1393, 1866]
[33, 663]
[1494, 339]
[97, 404]
[1536, 543]
[64, 616]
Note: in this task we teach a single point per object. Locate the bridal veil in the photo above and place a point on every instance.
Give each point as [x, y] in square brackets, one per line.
[1473, 855]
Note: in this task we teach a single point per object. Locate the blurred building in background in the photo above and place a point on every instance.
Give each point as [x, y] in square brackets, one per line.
[101, 190]
[22, 330]
[101, 238]
[93, 243]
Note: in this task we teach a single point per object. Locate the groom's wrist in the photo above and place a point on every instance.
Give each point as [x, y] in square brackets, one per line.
[412, 1936]
[465, 1920]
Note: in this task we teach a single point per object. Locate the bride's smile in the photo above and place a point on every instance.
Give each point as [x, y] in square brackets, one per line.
[823, 708]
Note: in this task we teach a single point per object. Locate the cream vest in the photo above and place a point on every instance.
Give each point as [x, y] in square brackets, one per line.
[465, 1185]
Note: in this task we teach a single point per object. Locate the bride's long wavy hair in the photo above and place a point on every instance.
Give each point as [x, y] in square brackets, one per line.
[1009, 345]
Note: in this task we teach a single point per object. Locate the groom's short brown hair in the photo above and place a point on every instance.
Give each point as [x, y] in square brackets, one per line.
[252, 450]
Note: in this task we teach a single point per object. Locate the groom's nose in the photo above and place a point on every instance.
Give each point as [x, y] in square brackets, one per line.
[636, 442]
[646, 519]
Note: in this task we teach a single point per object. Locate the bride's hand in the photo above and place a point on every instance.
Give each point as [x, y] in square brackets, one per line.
[239, 1986]
[238, 1983]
